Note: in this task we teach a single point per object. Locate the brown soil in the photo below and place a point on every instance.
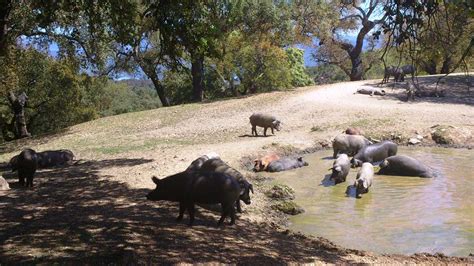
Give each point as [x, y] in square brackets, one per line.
[95, 211]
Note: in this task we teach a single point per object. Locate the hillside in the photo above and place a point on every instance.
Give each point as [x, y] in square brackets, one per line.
[96, 210]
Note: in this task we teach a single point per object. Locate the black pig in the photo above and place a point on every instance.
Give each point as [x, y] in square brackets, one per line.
[189, 188]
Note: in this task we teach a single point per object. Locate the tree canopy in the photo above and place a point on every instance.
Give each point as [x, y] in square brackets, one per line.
[63, 55]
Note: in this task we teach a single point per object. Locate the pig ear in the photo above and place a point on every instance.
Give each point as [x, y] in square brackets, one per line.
[155, 180]
[300, 159]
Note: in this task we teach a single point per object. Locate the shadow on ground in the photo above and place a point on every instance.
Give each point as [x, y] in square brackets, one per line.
[78, 215]
[457, 89]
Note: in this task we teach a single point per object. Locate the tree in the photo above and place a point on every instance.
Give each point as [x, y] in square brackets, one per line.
[433, 32]
[334, 49]
[195, 28]
[142, 48]
[440, 43]
[299, 77]
[79, 28]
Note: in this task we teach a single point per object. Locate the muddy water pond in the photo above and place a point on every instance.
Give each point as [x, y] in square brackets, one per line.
[399, 214]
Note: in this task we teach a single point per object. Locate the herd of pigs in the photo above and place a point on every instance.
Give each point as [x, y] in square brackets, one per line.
[209, 180]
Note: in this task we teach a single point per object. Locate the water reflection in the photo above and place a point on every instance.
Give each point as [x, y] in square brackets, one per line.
[399, 214]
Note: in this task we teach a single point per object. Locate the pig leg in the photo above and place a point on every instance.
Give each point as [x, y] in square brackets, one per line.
[335, 153]
[265, 131]
[182, 208]
[21, 180]
[21, 177]
[254, 129]
[272, 130]
[239, 208]
[225, 213]
[232, 215]
[190, 207]
[29, 181]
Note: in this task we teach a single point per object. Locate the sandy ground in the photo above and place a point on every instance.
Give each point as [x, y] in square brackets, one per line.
[95, 211]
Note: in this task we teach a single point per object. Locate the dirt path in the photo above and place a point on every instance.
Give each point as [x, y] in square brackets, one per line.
[95, 211]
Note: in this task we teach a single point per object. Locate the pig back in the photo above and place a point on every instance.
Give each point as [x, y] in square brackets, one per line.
[262, 120]
[217, 165]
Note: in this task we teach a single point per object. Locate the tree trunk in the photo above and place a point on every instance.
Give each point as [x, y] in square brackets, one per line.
[197, 71]
[446, 65]
[160, 90]
[18, 105]
[429, 67]
[357, 71]
[151, 74]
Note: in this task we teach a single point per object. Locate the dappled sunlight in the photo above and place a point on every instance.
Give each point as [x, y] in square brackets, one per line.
[76, 212]
[456, 89]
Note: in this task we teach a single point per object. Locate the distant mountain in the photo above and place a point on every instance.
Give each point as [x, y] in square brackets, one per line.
[137, 83]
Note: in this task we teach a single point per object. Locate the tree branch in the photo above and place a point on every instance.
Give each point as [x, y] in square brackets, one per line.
[59, 36]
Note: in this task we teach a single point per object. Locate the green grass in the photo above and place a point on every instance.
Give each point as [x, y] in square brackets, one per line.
[367, 123]
[148, 144]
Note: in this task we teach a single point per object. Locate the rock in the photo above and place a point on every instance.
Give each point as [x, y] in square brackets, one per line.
[288, 207]
[279, 191]
[4, 184]
[414, 141]
[445, 134]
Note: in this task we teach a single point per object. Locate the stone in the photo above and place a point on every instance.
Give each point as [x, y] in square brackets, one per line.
[414, 141]
[446, 134]
[4, 184]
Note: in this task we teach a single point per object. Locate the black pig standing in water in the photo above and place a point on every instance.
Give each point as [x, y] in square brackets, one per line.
[189, 188]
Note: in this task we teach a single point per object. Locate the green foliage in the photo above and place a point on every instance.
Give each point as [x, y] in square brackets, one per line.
[124, 98]
[326, 73]
[297, 70]
[264, 67]
[58, 96]
[178, 86]
[55, 92]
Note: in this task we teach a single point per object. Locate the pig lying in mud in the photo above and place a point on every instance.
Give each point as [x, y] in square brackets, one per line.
[340, 169]
[348, 144]
[374, 153]
[403, 165]
[219, 166]
[47, 159]
[364, 179]
[26, 164]
[262, 163]
[189, 188]
[286, 164]
[264, 120]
